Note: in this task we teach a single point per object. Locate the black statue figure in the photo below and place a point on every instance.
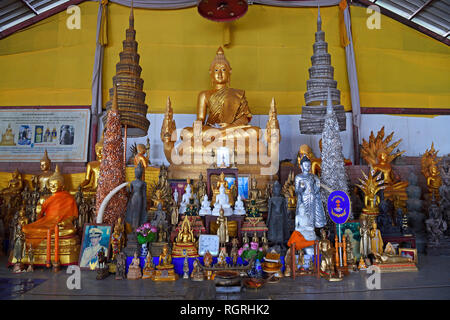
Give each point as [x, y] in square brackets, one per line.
[136, 214]
[277, 218]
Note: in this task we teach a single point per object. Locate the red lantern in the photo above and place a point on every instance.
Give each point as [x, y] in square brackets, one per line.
[222, 10]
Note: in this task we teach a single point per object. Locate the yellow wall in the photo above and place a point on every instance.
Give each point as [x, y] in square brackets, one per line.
[47, 64]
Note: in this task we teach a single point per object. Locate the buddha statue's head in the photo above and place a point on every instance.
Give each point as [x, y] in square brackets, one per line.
[56, 181]
[276, 188]
[220, 69]
[141, 149]
[221, 212]
[374, 225]
[323, 233]
[305, 164]
[165, 250]
[45, 162]
[99, 149]
[138, 171]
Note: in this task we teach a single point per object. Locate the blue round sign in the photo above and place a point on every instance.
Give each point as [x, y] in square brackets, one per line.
[339, 206]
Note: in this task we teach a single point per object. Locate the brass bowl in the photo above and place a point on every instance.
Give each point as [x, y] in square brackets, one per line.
[227, 278]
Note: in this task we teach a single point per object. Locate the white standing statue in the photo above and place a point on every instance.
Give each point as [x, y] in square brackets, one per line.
[206, 207]
[176, 197]
[239, 206]
[185, 199]
[222, 201]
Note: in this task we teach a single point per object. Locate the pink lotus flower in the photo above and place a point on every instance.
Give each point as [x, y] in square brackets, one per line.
[240, 251]
[153, 229]
[254, 245]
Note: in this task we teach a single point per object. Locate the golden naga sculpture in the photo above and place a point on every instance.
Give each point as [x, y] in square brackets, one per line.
[7, 137]
[431, 171]
[55, 214]
[223, 117]
[370, 186]
[316, 163]
[90, 182]
[40, 182]
[379, 155]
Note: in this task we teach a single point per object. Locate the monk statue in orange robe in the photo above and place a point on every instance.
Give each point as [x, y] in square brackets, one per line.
[59, 209]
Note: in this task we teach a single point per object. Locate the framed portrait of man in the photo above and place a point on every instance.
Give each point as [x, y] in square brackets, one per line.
[96, 237]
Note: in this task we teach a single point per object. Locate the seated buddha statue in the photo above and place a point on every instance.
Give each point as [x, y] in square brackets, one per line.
[55, 212]
[90, 182]
[206, 207]
[216, 190]
[255, 197]
[185, 199]
[7, 137]
[185, 244]
[239, 208]
[158, 200]
[140, 156]
[14, 188]
[222, 112]
[316, 163]
[165, 259]
[288, 191]
[222, 202]
[40, 181]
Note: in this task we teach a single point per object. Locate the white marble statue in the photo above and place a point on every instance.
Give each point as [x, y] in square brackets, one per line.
[206, 207]
[176, 196]
[223, 202]
[185, 199]
[239, 206]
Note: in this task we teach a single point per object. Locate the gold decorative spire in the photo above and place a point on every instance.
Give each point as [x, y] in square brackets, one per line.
[45, 158]
[57, 175]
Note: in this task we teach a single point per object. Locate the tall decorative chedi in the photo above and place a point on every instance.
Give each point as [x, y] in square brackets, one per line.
[112, 168]
[130, 96]
[333, 172]
[321, 79]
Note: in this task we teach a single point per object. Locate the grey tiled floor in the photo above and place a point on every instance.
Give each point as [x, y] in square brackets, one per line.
[431, 282]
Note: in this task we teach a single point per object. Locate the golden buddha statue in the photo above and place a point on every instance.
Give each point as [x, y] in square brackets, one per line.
[376, 241]
[141, 157]
[90, 182]
[55, 212]
[255, 197]
[165, 269]
[370, 187]
[163, 186]
[377, 153]
[158, 200]
[14, 188]
[40, 181]
[316, 163]
[185, 243]
[223, 116]
[7, 137]
[431, 172]
[228, 191]
[288, 191]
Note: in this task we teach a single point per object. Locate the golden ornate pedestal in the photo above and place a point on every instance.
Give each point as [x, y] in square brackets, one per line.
[164, 275]
[182, 249]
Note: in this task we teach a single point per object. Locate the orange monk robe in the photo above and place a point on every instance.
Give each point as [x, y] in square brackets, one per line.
[299, 240]
[57, 208]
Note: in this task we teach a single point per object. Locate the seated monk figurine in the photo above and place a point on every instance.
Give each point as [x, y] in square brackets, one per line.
[165, 259]
[149, 267]
[40, 182]
[7, 137]
[59, 209]
[90, 181]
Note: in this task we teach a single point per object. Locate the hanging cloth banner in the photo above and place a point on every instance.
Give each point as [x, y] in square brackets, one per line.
[103, 35]
[342, 28]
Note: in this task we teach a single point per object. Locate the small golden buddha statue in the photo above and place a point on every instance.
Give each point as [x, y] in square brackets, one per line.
[149, 267]
[158, 200]
[141, 157]
[327, 252]
[90, 181]
[288, 191]
[377, 153]
[56, 210]
[163, 186]
[40, 182]
[8, 137]
[14, 188]
[255, 197]
[200, 187]
[222, 230]
[228, 192]
[376, 241]
[185, 243]
[316, 163]
[165, 259]
[389, 257]
[431, 172]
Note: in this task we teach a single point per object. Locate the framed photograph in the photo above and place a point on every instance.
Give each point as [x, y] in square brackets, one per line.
[95, 238]
[351, 229]
[243, 181]
[409, 252]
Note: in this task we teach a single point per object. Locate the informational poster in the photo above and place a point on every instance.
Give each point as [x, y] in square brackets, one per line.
[26, 133]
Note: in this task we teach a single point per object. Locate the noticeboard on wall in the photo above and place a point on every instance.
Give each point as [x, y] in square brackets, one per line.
[26, 132]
